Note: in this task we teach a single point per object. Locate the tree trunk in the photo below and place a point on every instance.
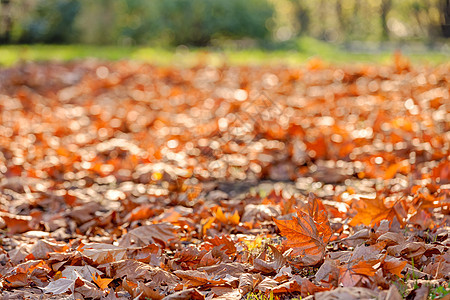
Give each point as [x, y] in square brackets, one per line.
[6, 22]
[302, 14]
[343, 20]
[445, 17]
[385, 8]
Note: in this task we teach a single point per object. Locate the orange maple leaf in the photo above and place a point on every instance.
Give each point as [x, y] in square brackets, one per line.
[351, 274]
[227, 244]
[227, 218]
[370, 211]
[309, 232]
[394, 266]
[101, 282]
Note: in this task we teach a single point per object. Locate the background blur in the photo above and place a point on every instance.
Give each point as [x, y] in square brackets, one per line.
[234, 23]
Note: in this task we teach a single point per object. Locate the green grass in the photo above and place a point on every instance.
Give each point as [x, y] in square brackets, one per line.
[297, 53]
[438, 292]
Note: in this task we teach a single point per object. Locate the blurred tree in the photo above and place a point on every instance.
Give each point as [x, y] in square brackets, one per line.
[342, 18]
[445, 17]
[385, 8]
[6, 21]
[140, 21]
[52, 22]
[206, 22]
[303, 15]
[97, 21]
[197, 22]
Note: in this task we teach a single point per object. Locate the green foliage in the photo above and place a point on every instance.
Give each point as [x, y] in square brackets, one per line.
[273, 23]
[129, 22]
[438, 292]
[197, 22]
[52, 21]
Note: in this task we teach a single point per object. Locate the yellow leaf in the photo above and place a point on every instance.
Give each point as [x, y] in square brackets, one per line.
[254, 244]
[207, 224]
[234, 219]
[57, 275]
[220, 215]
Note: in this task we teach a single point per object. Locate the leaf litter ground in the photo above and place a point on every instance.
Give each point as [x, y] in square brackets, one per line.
[126, 180]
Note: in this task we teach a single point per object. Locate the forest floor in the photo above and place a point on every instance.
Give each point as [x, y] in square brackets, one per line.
[129, 180]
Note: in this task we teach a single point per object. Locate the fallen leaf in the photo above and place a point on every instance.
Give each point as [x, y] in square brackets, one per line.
[394, 266]
[192, 293]
[352, 274]
[225, 241]
[298, 284]
[348, 293]
[233, 295]
[370, 211]
[221, 270]
[16, 223]
[149, 292]
[232, 219]
[307, 233]
[60, 286]
[149, 234]
[264, 267]
[102, 283]
[197, 278]
[103, 253]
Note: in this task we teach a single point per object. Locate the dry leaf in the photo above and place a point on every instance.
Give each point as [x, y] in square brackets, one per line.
[353, 274]
[101, 282]
[307, 233]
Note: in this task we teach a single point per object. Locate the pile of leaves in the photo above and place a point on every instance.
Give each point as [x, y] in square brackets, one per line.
[125, 180]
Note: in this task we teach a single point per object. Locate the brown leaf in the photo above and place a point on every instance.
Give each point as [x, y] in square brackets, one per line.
[149, 234]
[16, 223]
[419, 294]
[260, 213]
[103, 253]
[328, 272]
[135, 270]
[85, 272]
[394, 266]
[42, 248]
[348, 293]
[279, 260]
[247, 282]
[221, 290]
[187, 294]
[300, 285]
[140, 213]
[233, 295]
[60, 286]
[393, 293]
[220, 270]
[195, 278]
[407, 250]
[130, 287]
[16, 280]
[391, 238]
[266, 285]
[148, 292]
[225, 241]
[353, 274]
[88, 289]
